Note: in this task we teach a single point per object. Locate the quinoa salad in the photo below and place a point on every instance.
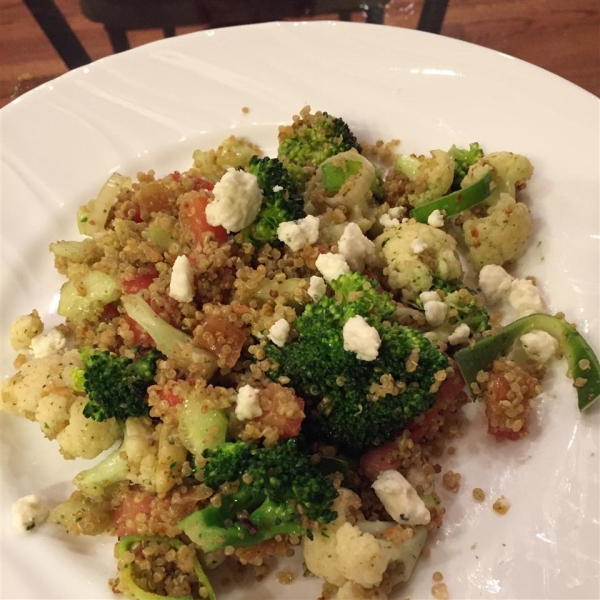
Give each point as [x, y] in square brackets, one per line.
[272, 355]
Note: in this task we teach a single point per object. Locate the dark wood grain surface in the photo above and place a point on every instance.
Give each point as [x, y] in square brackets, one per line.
[562, 36]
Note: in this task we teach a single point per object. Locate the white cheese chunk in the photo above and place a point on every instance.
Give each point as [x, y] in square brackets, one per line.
[29, 512]
[386, 221]
[317, 288]
[525, 297]
[494, 283]
[355, 247]
[46, 344]
[400, 499]
[237, 200]
[361, 338]
[279, 332]
[436, 218]
[460, 335]
[181, 286]
[539, 345]
[418, 246]
[435, 312]
[332, 266]
[300, 233]
[247, 404]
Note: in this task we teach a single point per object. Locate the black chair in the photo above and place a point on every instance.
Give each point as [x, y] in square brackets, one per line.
[121, 16]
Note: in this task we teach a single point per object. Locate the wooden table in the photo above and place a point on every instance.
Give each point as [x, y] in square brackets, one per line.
[560, 36]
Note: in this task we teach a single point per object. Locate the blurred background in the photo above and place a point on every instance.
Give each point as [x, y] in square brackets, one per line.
[41, 39]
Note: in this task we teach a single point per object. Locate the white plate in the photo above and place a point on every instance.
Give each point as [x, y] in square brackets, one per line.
[151, 107]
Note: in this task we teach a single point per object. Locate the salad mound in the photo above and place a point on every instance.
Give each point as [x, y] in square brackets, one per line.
[278, 350]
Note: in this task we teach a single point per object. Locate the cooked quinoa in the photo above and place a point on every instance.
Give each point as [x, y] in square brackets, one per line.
[181, 289]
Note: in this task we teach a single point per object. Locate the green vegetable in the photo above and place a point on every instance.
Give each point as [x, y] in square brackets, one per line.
[92, 217]
[161, 238]
[167, 338]
[116, 386]
[101, 289]
[338, 385]
[128, 544]
[272, 484]
[114, 468]
[311, 140]
[456, 202]
[285, 204]
[584, 366]
[335, 176]
[201, 428]
[463, 159]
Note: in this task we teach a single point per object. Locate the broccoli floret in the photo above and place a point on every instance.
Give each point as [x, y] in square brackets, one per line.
[281, 200]
[463, 159]
[310, 140]
[463, 305]
[278, 489]
[116, 386]
[346, 409]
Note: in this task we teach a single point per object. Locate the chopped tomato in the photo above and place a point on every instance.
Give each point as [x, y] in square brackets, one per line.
[203, 184]
[381, 458]
[171, 397]
[504, 417]
[111, 310]
[140, 337]
[137, 215]
[192, 215]
[447, 393]
[134, 504]
[138, 282]
[176, 176]
[223, 333]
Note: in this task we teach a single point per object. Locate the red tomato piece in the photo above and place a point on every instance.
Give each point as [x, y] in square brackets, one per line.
[379, 459]
[111, 310]
[136, 503]
[140, 337]
[138, 282]
[171, 397]
[203, 184]
[192, 215]
[176, 176]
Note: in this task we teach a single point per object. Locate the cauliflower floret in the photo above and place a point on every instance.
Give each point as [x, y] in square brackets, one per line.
[365, 553]
[141, 450]
[430, 178]
[360, 555]
[499, 237]
[355, 196]
[510, 171]
[320, 552]
[42, 391]
[24, 329]
[414, 273]
[83, 437]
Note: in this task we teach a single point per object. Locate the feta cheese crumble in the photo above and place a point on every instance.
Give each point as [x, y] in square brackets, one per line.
[247, 405]
[361, 338]
[418, 246]
[525, 297]
[435, 312]
[279, 332]
[539, 346]
[277, 188]
[397, 212]
[331, 266]
[297, 234]
[29, 512]
[386, 221]
[43, 345]
[317, 288]
[460, 335]
[181, 286]
[355, 247]
[237, 200]
[400, 499]
[494, 283]
[436, 218]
